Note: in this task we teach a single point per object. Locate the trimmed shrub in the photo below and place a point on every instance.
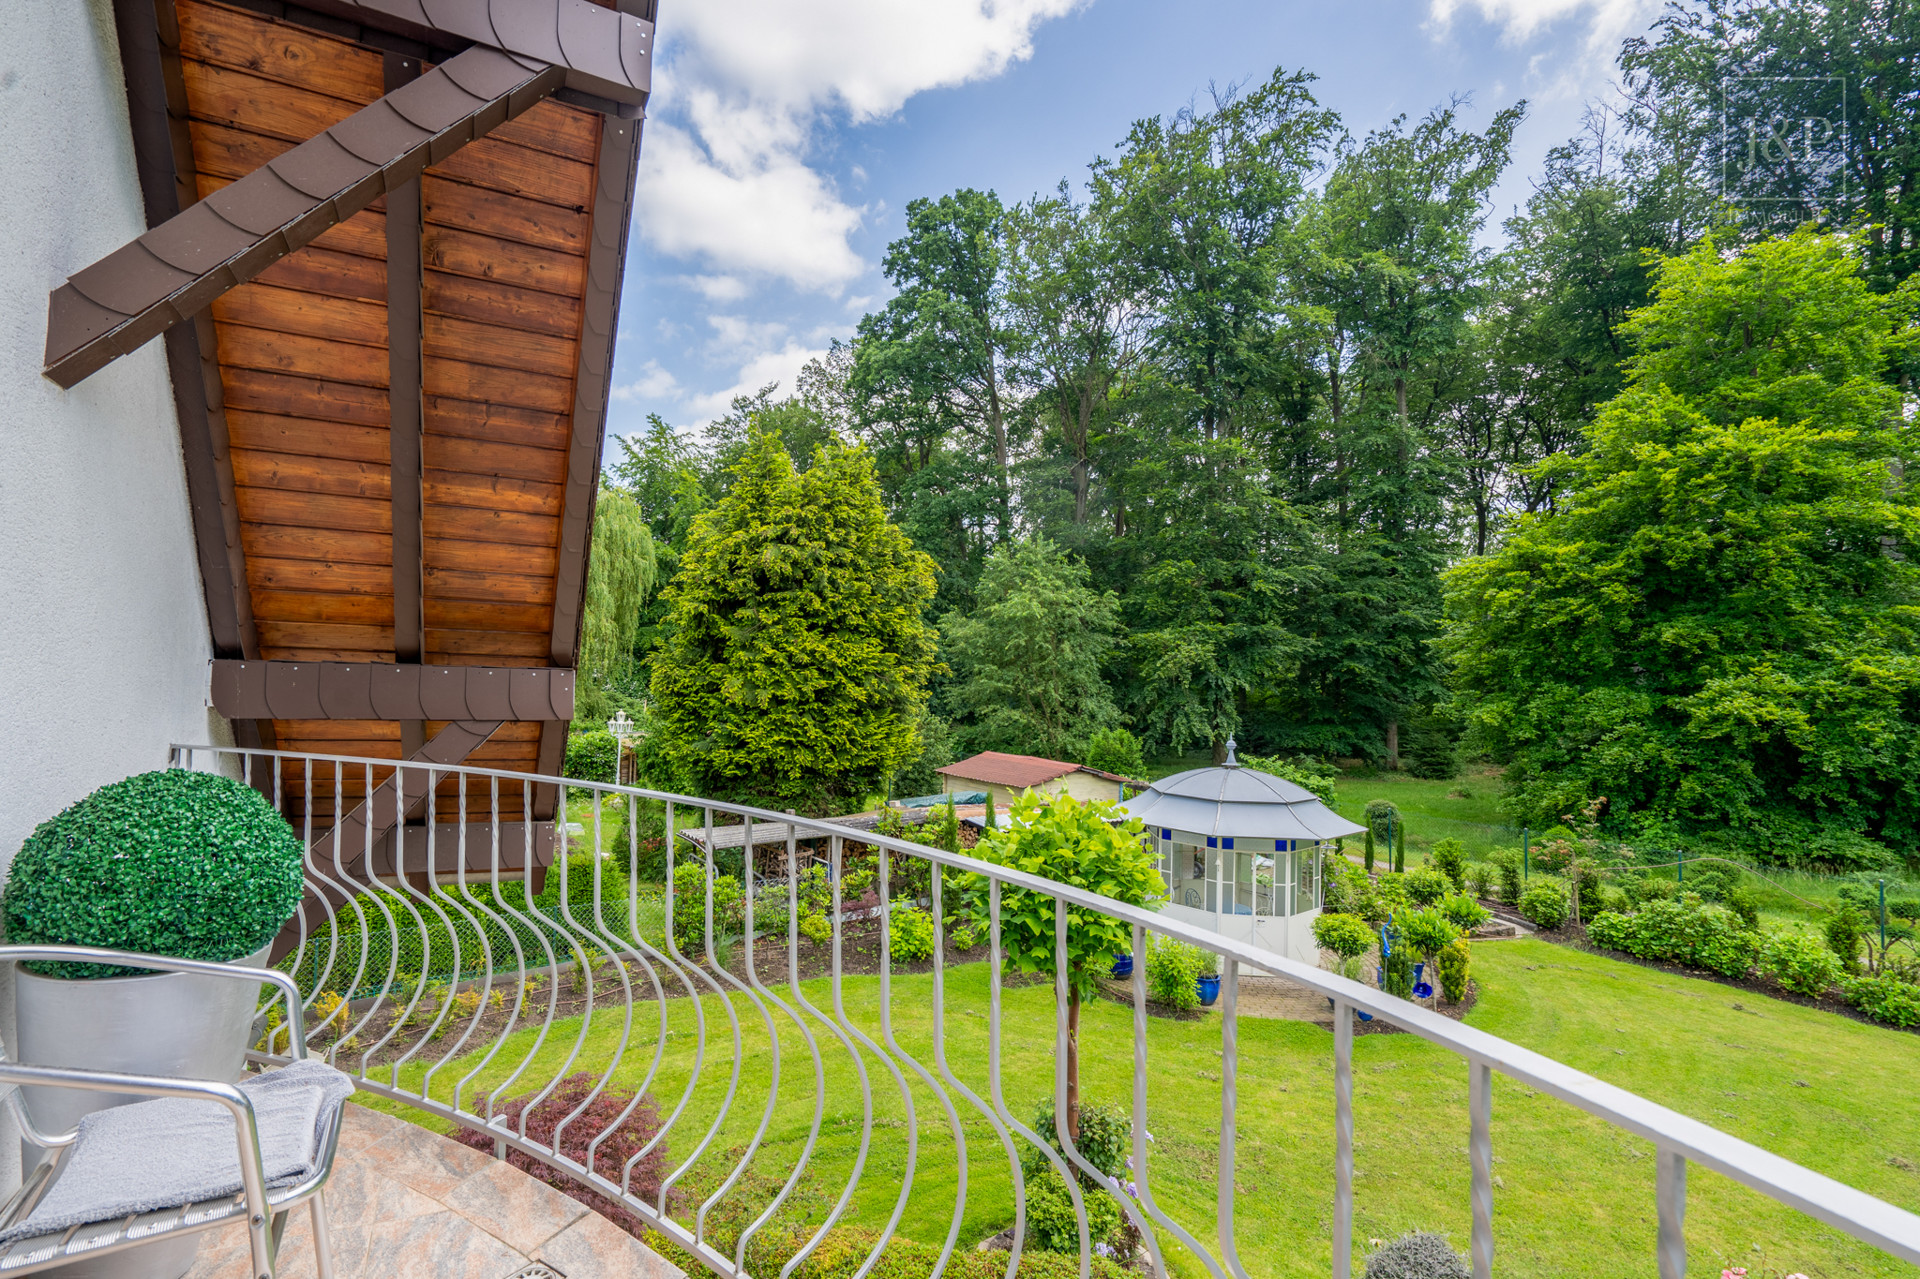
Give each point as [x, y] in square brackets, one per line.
[1427, 932]
[1115, 750]
[1345, 935]
[1545, 904]
[1799, 962]
[1449, 857]
[909, 933]
[1420, 1255]
[593, 756]
[1456, 964]
[1884, 998]
[1172, 969]
[1845, 931]
[690, 909]
[1745, 905]
[177, 863]
[1051, 1223]
[1426, 886]
[1396, 977]
[1687, 931]
[1642, 889]
[1464, 912]
[624, 1140]
[1481, 877]
[1106, 1141]
[1506, 865]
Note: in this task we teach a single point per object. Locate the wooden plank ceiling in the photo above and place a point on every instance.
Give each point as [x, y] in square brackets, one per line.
[303, 363]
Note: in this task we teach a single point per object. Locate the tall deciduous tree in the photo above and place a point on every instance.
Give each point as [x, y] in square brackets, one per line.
[796, 663]
[1027, 660]
[1719, 629]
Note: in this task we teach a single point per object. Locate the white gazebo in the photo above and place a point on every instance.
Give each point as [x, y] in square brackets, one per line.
[1242, 852]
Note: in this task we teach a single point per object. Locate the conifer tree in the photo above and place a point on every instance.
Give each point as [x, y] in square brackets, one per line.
[796, 663]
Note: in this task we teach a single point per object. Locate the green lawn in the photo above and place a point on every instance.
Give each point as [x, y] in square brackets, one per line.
[1574, 1197]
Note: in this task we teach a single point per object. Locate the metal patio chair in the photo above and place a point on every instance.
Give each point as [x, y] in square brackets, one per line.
[50, 1221]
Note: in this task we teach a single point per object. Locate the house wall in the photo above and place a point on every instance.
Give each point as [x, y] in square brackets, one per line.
[103, 631]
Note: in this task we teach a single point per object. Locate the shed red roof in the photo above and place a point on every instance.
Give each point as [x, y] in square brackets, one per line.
[1009, 770]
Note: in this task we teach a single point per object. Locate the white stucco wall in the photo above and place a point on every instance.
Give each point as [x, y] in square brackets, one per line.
[103, 633]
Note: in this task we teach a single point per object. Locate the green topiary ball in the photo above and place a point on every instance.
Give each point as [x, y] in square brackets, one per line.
[190, 865]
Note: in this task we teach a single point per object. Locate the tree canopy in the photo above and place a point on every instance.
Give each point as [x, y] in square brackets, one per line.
[1717, 627]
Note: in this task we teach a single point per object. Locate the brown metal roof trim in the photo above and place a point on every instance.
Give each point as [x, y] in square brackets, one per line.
[388, 691]
[616, 172]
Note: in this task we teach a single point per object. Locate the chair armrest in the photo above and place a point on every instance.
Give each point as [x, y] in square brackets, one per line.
[296, 1021]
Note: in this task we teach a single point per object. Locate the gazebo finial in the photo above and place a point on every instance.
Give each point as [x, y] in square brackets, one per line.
[1231, 761]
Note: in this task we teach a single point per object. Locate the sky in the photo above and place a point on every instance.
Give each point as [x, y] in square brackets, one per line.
[783, 141]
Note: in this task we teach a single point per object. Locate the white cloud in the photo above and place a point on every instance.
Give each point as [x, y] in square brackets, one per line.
[782, 365]
[742, 90]
[716, 288]
[654, 383]
[1520, 20]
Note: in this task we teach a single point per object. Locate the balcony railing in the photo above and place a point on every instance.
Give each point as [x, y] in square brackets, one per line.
[481, 1019]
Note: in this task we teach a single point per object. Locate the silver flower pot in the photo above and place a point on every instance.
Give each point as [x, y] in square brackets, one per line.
[175, 1025]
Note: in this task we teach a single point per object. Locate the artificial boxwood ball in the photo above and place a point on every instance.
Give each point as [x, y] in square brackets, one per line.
[190, 865]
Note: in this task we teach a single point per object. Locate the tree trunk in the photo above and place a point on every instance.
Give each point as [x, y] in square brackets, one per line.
[1073, 1065]
[1393, 744]
[1219, 752]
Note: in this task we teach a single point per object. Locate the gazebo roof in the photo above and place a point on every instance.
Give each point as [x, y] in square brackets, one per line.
[1237, 802]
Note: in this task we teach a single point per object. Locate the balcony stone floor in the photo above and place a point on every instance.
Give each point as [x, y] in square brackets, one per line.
[406, 1203]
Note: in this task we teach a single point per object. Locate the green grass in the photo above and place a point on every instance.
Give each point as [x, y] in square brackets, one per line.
[1574, 1197]
[1465, 808]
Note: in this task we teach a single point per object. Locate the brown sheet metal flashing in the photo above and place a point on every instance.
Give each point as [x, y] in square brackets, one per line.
[551, 758]
[270, 690]
[178, 268]
[615, 174]
[163, 159]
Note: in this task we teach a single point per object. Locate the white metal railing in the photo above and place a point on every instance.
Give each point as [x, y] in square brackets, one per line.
[468, 893]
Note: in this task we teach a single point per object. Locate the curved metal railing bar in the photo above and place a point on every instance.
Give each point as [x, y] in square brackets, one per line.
[946, 1072]
[813, 1047]
[933, 1085]
[853, 1053]
[470, 909]
[1142, 1180]
[749, 988]
[1679, 1139]
[733, 1020]
[683, 967]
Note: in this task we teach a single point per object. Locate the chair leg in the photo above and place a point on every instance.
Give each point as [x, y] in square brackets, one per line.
[322, 1245]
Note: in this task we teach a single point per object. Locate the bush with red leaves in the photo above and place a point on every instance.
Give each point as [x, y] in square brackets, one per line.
[609, 1160]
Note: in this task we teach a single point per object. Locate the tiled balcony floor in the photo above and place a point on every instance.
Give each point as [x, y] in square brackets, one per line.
[405, 1203]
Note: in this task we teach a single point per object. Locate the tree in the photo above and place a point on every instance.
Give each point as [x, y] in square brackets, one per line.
[934, 359]
[1027, 660]
[1717, 628]
[620, 575]
[1115, 750]
[796, 662]
[1083, 845]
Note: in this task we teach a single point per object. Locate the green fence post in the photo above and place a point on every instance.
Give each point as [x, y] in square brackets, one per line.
[1526, 869]
[1680, 862]
[1883, 918]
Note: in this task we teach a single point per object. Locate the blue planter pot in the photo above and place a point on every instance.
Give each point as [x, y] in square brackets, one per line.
[1421, 988]
[1123, 965]
[1208, 988]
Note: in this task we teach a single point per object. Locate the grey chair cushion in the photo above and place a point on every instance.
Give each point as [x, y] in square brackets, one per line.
[174, 1151]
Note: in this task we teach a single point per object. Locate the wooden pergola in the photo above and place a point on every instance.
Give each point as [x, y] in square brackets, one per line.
[385, 248]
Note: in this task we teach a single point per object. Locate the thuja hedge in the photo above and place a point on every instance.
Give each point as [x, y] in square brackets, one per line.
[190, 865]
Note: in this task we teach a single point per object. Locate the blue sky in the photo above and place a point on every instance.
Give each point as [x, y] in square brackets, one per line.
[784, 140]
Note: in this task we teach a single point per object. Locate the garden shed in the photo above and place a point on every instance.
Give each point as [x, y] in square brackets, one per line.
[1006, 777]
[1242, 852]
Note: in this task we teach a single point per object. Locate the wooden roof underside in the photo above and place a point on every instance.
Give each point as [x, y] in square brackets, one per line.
[364, 521]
